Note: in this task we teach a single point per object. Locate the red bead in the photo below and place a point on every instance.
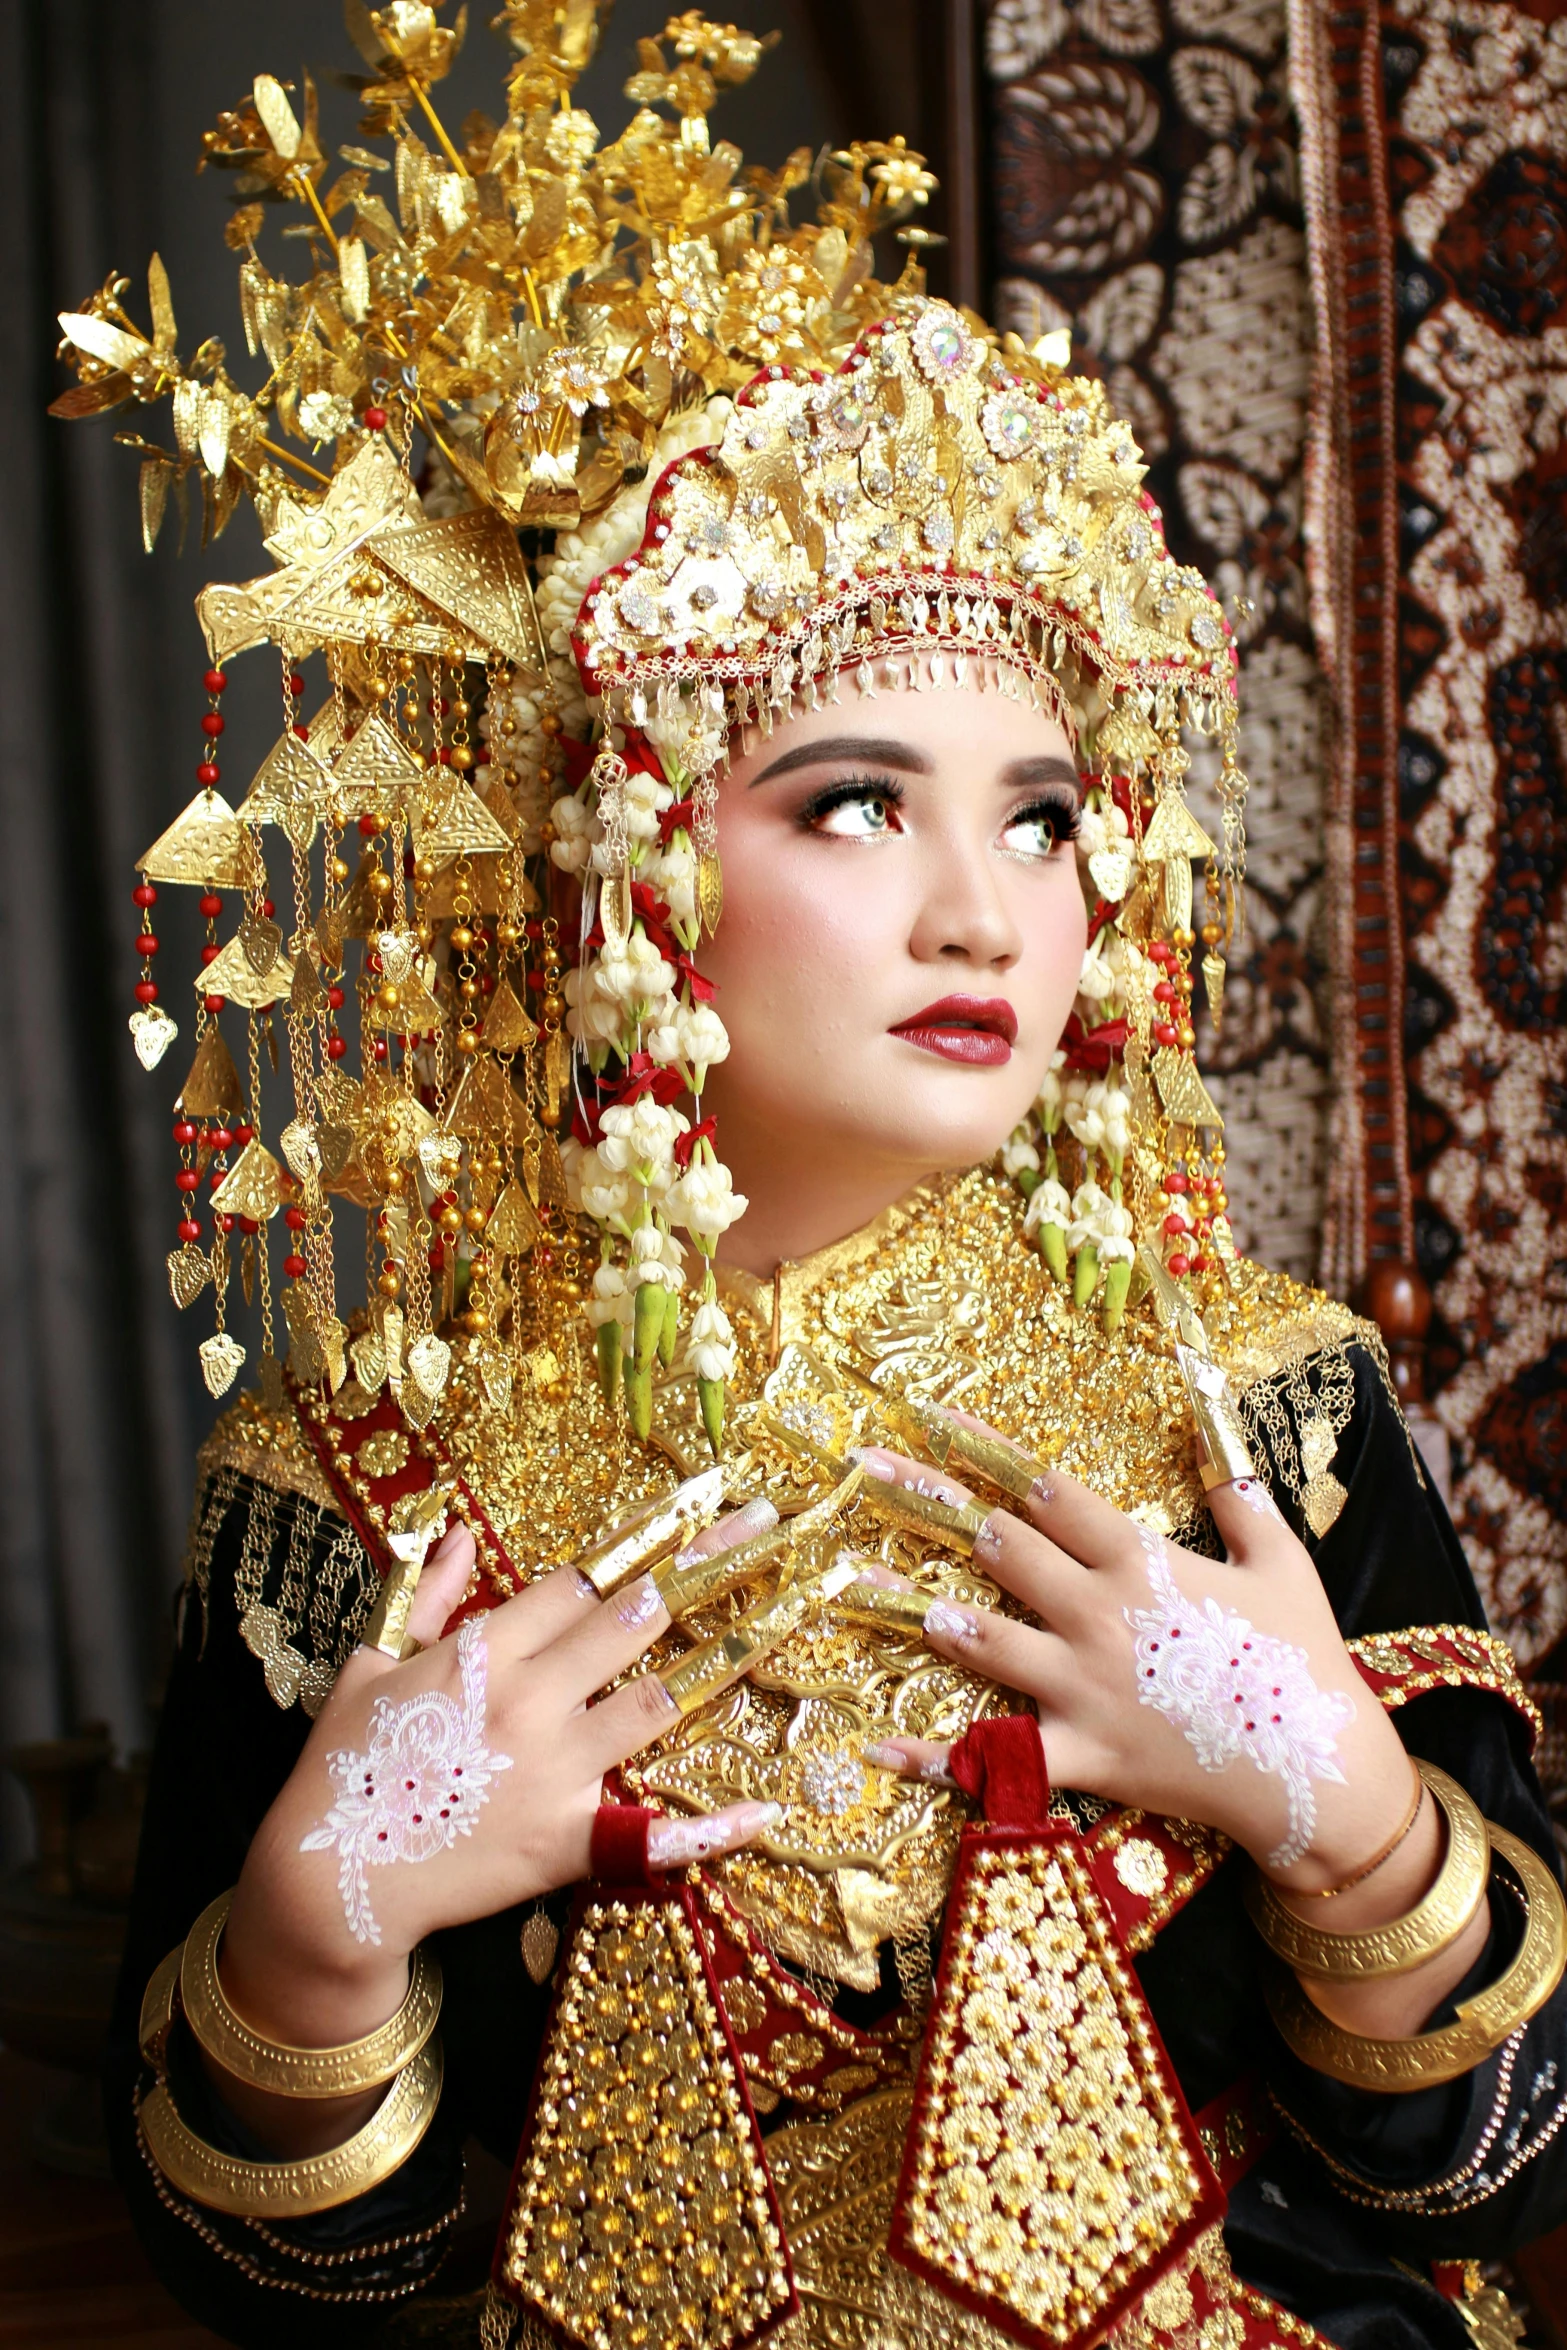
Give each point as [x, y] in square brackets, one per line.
[146, 991]
[375, 420]
[209, 905]
[1174, 1226]
[335, 997]
[1163, 1033]
[296, 684]
[302, 730]
[214, 681]
[1164, 993]
[212, 724]
[210, 953]
[1178, 1264]
[1159, 953]
[437, 1259]
[444, 755]
[1175, 1183]
[1201, 1264]
[207, 773]
[249, 1224]
[214, 1003]
[368, 828]
[188, 1228]
[144, 894]
[184, 1132]
[295, 1219]
[244, 1134]
[220, 1138]
[336, 1047]
[379, 1048]
[438, 705]
[227, 1223]
[188, 1178]
[294, 1267]
[268, 908]
[146, 945]
[215, 1174]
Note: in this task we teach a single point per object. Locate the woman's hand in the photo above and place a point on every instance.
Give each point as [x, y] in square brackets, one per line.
[1142, 1651]
[366, 1850]
[1213, 1690]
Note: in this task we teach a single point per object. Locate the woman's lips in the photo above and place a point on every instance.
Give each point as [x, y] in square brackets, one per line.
[976, 1030]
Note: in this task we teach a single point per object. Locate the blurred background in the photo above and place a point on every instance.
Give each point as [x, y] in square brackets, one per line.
[1321, 262]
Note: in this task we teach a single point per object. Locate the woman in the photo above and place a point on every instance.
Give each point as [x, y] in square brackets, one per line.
[1004, 1909]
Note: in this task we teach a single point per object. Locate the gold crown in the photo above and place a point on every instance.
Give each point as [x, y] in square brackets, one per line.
[924, 500]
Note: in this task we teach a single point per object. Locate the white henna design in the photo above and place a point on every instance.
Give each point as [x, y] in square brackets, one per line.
[419, 1785]
[673, 1843]
[1235, 1693]
[1256, 1496]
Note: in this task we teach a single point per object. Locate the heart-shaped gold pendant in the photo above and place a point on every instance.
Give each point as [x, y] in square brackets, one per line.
[430, 1361]
[152, 1033]
[221, 1357]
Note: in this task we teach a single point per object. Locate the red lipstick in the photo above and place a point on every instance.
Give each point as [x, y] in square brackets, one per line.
[977, 1030]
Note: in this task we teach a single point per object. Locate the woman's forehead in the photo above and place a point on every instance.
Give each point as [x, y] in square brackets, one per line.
[917, 731]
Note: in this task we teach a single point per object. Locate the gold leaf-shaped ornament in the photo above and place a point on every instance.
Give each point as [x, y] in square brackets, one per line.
[189, 1271]
[430, 1362]
[231, 975]
[513, 1226]
[221, 1357]
[507, 1027]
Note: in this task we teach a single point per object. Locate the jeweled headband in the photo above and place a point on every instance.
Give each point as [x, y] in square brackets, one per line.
[753, 478]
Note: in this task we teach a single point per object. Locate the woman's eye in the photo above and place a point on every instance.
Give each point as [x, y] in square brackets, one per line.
[870, 816]
[1035, 832]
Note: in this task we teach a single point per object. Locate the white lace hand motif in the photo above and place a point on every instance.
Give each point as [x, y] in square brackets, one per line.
[1235, 1693]
[420, 1784]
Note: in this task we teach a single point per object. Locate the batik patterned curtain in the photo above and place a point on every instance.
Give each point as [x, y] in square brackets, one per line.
[1320, 256]
[1146, 191]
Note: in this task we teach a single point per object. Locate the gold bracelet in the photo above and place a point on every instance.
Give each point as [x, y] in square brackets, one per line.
[311, 2182]
[1426, 2059]
[273, 2065]
[1423, 1933]
[1369, 1868]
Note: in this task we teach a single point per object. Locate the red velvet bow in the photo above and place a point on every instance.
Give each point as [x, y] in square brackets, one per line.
[1094, 1049]
[685, 1144]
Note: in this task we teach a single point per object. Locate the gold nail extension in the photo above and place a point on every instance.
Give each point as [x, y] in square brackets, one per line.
[652, 1531]
[885, 1607]
[686, 1588]
[996, 1458]
[957, 1526]
[1221, 1433]
[693, 1680]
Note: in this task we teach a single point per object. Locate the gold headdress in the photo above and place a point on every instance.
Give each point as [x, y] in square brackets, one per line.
[748, 473]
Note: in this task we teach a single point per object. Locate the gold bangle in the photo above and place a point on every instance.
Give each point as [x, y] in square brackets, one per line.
[310, 2183]
[273, 2065]
[1423, 1933]
[1426, 2059]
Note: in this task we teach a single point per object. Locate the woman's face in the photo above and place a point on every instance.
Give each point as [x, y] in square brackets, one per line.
[902, 930]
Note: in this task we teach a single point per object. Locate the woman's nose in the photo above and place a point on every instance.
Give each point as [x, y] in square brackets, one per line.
[963, 916]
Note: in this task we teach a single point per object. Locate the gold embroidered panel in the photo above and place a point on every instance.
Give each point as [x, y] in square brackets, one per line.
[1051, 2167]
[642, 2212]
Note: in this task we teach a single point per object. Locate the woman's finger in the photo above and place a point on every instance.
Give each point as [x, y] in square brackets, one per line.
[1016, 1655]
[912, 1758]
[606, 1642]
[1085, 1525]
[672, 1844]
[441, 1586]
[1034, 1569]
[741, 1525]
[1249, 1519]
[895, 1468]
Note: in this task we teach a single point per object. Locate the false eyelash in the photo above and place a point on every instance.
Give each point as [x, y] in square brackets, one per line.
[1063, 808]
[846, 792]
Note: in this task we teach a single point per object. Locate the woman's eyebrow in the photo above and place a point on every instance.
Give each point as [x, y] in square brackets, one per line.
[1030, 774]
[867, 750]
